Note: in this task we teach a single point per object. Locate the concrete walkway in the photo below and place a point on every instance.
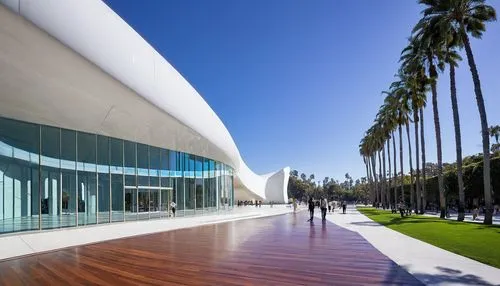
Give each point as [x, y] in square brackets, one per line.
[28, 243]
[429, 264]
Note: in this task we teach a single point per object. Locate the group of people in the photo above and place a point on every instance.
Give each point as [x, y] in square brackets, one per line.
[324, 205]
[251, 203]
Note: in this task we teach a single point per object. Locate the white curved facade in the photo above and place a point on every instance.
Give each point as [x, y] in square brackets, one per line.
[78, 65]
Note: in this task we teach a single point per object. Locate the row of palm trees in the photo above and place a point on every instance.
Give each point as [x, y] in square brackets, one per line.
[442, 31]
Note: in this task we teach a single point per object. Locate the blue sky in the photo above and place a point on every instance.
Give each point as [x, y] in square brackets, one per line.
[298, 82]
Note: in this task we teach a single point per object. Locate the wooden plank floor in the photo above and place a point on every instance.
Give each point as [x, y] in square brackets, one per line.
[279, 250]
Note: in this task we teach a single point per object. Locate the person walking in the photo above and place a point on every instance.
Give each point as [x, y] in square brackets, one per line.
[311, 209]
[172, 207]
[329, 206]
[323, 205]
[344, 207]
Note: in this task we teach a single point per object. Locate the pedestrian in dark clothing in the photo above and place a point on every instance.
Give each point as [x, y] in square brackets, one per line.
[323, 204]
[311, 209]
[344, 206]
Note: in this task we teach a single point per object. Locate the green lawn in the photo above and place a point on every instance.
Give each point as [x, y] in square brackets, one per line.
[476, 241]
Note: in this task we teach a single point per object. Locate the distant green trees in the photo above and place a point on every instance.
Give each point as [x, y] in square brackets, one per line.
[472, 180]
[301, 188]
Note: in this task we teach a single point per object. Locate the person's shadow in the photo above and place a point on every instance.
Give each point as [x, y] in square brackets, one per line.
[323, 229]
[312, 235]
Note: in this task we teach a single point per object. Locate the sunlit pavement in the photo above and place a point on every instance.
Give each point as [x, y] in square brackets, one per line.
[429, 264]
[273, 250]
[18, 244]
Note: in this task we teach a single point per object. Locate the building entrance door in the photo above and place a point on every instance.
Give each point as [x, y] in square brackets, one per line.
[146, 202]
[143, 203]
[166, 200]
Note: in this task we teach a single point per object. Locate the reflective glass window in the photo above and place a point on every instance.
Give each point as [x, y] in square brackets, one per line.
[68, 176]
[51, 201]
[19, 156]
[87, 178]
[103, 176]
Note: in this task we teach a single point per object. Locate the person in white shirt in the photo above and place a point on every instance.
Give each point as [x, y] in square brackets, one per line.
[172, 207]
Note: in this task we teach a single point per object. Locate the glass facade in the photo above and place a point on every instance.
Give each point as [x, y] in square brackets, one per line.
[53, 178]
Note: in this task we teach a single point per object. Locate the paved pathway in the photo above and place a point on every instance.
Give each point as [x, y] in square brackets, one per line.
[26, 243]
[430, 264]
[278, 250]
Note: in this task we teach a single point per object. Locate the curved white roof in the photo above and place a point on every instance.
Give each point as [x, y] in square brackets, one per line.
[117, 85]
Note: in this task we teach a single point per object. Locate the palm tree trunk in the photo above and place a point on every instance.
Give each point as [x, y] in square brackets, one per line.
[437, 129]
[422, 137]
[458, 143]
[389, 182]
[367, 173]
[417, 150]
[384, 197]
[374, 173]
[401, 162]
[395, 171]
[370, 181]
[381, 184]
[412, 200]
[488, 210]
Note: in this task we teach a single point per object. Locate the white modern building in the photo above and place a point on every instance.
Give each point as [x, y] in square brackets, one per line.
[97, 127]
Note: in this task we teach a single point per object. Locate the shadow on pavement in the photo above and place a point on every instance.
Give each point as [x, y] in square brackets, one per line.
[446, 277]
[450, 276]
[366, 223]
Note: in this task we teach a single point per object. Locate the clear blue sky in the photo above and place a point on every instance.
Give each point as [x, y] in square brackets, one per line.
[298, 82]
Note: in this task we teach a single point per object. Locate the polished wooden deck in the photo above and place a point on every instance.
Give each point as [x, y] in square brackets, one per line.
[280, 250]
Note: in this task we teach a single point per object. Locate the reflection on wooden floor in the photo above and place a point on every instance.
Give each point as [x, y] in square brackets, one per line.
[268, 251]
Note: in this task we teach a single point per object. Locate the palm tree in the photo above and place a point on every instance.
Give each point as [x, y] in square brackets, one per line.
[389, 182]
[395, 98]
[422, 140]
[424, 49]
[416, 82]
[446, 39]
[385, 119]
[468, 17]
[495, 132]
[395, 169]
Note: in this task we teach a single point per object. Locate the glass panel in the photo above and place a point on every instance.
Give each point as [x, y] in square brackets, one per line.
[103, 179]
[154, 203]
[50, 187]
[116, 168]
[165, 173]
[166, 200]
[68, 175]
[179, 183]
[19, 149]
[206, 186]
[130, 204]
[142, 165]
[199, 182]
[213, 189]
[87, 178]
[130, 163]
[116, 156]
[143, 204]
[190, 195]
[117, 200]
[154, 166]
